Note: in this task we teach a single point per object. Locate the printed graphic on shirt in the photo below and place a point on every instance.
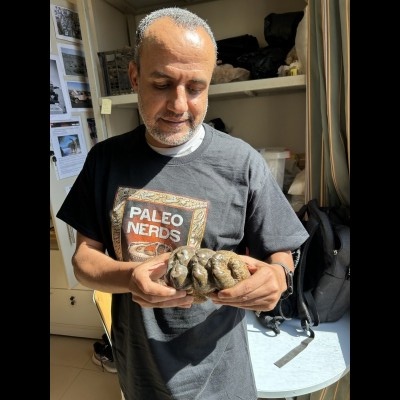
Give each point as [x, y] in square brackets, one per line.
[146, 223]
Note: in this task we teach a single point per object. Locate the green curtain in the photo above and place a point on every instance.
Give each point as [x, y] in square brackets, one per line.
[328, 103]
[328, 123]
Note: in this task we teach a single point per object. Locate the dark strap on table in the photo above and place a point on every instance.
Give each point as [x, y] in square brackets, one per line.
[293, 353]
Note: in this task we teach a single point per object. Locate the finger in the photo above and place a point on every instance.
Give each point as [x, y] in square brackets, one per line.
[249, 287]
[157, 266]
[249, 291]
[159, 293]
[259, 303]
[158, 271]
[251, 262]
[161, 302]
[150, 283]
[150, 289]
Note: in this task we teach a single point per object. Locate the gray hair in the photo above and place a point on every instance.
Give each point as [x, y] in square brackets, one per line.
[182, 17]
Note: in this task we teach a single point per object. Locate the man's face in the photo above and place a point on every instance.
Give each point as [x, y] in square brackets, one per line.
[176, 66]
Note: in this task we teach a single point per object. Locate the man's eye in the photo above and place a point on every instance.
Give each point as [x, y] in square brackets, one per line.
[160, 86]
[195, 90]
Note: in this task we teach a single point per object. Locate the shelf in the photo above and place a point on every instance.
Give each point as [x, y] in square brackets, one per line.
[256, 87]
[230, 90]
[144, 6]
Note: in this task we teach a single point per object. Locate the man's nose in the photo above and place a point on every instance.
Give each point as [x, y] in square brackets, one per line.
[177, 101]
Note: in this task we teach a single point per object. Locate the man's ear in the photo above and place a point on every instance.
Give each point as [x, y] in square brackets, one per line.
[133, 75]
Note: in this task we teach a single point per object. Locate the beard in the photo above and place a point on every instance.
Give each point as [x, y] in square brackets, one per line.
[172, 137]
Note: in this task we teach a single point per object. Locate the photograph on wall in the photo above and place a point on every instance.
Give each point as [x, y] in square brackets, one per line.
[60, 107]
[73, 60]
[79, 95]
[69, 146]
[66, 24]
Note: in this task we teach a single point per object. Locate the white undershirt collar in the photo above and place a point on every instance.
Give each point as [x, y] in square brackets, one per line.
[185, 148]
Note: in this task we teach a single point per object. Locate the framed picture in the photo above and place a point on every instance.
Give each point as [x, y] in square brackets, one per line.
[60, 106]
[69, 146]
[79, 95]
[73, 60]
[66, 24]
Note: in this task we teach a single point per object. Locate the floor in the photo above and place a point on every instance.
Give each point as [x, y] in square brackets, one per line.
[74, 376]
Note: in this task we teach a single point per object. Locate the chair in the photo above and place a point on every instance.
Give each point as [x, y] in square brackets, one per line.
[103, 304]
[102, 301]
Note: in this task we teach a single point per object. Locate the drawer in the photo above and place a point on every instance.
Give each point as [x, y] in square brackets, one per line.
[73, 312]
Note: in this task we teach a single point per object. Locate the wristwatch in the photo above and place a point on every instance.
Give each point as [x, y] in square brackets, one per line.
[289, 280]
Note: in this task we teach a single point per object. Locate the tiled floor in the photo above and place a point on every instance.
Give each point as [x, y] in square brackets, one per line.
[74, 376]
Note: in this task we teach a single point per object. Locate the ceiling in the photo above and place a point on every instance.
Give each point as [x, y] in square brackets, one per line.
[144, 6]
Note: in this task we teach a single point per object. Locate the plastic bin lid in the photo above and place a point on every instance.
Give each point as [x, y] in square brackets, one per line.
[275, 152]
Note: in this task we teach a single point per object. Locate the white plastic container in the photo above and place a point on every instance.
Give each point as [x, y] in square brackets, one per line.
[275, 158]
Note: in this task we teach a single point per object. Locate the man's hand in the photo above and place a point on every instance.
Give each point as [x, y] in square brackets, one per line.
[147, 287]
[260, 292]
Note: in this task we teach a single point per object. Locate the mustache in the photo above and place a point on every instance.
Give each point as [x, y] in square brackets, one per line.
[178, 117]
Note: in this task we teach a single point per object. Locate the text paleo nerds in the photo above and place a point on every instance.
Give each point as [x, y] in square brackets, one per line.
[155, 223]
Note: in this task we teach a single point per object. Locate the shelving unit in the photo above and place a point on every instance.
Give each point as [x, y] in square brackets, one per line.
[232, 90]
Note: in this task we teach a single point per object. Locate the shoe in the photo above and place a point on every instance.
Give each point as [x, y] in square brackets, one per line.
[105, 339]
[102, 355]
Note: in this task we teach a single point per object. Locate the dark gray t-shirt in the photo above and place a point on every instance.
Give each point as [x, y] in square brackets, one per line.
[140, 203]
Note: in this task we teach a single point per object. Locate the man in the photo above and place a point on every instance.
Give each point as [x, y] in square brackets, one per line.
[176, 181]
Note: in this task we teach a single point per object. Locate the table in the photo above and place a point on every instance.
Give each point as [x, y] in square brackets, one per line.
[324, 361]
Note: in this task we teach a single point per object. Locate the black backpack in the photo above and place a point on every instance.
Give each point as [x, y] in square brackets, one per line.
[321, 279]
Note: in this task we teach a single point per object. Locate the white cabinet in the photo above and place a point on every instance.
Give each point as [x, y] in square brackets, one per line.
[72, 311]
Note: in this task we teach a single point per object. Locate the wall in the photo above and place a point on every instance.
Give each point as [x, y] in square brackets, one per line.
[72, 310]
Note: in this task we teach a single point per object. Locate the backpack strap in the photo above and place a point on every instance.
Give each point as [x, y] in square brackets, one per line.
[270, 321]
[327, 232]
[312, 308]
[308, 317]
[296, 350]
